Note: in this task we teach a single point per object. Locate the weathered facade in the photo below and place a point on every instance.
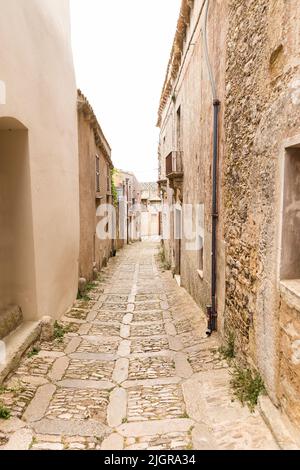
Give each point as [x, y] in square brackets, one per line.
[39, 215]
[253, 49]
[95, 174]
[185, 119]
[261, 191]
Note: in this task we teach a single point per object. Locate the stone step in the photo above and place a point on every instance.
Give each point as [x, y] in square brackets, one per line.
[286, 435]
[13, 346]
[10, 318]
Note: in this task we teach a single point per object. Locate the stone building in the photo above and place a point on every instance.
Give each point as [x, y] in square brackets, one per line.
[261, 191]
[129, 195]
[150, 211]
[185, 120]
[95, 191]
[238, 62]
[39, 215]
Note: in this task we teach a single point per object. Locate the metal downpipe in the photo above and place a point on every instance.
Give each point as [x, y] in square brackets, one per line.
[212, 309]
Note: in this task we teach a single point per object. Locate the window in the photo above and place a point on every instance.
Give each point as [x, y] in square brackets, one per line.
[200, 241]
[108, 178]
[120, 192]
[290, 250]
[178, 129]
[178, 222]
[200, 253]
[2, 92]
[97, 174]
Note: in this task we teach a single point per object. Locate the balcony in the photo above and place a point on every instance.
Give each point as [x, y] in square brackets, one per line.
[174, 163]
[174, 170]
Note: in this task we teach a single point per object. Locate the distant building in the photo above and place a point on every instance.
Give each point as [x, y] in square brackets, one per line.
[129, 195]
[95, 173]
[150, 211]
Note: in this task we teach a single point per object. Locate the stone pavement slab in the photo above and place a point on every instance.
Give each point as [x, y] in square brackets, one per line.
[135, 370]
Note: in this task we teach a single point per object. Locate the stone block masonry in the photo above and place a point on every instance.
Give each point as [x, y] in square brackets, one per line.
[261, 115]
[255, 61]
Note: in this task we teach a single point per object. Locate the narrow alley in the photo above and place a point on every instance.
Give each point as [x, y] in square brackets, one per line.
[134, 370]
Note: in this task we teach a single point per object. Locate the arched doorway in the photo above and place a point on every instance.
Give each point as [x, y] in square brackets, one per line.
[17, 267]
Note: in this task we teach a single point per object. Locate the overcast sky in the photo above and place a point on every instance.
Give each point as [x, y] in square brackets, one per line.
[121, 51]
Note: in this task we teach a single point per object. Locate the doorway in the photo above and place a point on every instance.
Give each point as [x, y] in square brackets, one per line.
[17, 264]
[178, 238]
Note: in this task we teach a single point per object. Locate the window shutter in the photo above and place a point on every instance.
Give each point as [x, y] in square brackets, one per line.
[97, 174]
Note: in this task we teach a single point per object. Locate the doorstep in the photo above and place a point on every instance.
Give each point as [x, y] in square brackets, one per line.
[290, 293]
[287, 437]
[15, 345]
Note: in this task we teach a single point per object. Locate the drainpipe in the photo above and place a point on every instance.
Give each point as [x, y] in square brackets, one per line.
[212, 309]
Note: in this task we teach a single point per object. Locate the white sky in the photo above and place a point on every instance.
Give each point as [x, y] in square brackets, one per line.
[121, 51]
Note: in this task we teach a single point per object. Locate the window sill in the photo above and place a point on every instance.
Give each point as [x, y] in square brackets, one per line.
[290, 292]
[200, 273]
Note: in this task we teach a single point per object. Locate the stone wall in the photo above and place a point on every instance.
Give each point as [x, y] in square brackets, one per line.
[247, 187]
[38, 124]
[192, 92]
[289, 383]
[261, 113]
[94, 252]
[255, 57]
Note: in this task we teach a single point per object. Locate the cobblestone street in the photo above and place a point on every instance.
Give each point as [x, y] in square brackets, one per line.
[134, 371]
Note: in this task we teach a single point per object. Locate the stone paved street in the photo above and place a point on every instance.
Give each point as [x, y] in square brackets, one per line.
[135, 371]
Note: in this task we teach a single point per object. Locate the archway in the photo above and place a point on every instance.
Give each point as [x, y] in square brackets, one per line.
[17, 270]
